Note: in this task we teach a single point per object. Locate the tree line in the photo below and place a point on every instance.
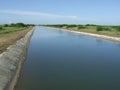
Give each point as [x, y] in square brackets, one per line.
[15, 25]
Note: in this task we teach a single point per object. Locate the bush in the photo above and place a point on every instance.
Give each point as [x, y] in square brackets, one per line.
[118, 28]
[107, 29]
[12, 25]
[99, 28]
[6, 25]
[69, 26]
[81, 27]
[1, 28]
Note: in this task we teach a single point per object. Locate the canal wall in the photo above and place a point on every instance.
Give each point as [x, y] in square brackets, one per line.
[11, 62]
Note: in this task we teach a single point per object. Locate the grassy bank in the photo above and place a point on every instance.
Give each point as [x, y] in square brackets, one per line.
[4, 29]
[96, 29]
[9, 34]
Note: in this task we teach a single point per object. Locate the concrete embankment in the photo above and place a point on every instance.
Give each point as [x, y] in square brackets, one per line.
[11, 62]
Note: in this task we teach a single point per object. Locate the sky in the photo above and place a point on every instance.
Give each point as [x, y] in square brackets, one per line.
[102, 12]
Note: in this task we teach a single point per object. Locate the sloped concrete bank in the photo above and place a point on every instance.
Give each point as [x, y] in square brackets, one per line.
[11, 62]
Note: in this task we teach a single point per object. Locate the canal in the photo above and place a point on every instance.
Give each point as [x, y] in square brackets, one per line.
[61, 60]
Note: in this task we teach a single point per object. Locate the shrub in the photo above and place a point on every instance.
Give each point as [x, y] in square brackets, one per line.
[67, 26]
[71, 26]
[99, 28]
[6, 25]
[118, 28]
[106, 29]
[12, 25]
[1, 28]
[81, 27]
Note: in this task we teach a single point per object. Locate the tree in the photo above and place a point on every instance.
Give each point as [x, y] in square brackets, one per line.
[6, 25]
[20, 25]
[90, 25]
[12, 25]
[17, 25]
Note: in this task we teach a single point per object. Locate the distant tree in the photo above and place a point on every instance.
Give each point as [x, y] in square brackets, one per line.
[31, 24]
[6, 25]
[12, 25]
[17, 25]
[20, 25]
[73, 25]
[90, 25]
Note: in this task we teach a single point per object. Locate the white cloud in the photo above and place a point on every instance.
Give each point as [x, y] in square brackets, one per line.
[39, 17]
[17, 12]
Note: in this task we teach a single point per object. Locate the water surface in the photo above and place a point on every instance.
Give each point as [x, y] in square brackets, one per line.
[60, 60]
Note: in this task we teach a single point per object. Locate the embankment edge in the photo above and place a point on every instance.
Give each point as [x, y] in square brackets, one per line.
[11, 62]
[105, 37]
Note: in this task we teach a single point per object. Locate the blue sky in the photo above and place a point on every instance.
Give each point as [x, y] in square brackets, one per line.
[60, 11]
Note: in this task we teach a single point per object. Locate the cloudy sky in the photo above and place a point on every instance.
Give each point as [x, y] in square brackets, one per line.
[60, 11]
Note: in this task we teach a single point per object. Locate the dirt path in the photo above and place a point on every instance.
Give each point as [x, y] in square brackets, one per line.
[8, 39]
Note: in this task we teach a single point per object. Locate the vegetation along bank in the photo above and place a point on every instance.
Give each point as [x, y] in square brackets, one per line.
[105, 32]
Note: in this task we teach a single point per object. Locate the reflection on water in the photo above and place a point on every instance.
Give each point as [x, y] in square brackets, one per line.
[59, 60]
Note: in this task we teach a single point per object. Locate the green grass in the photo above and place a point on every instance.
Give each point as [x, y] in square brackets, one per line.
[5, 30]
[104, 30]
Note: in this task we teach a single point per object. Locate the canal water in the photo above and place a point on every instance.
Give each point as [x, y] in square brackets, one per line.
[61, 60]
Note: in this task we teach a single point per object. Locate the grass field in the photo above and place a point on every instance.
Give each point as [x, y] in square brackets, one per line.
[4, 30]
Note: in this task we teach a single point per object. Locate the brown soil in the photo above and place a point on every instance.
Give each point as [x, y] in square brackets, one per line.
[8, 39]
